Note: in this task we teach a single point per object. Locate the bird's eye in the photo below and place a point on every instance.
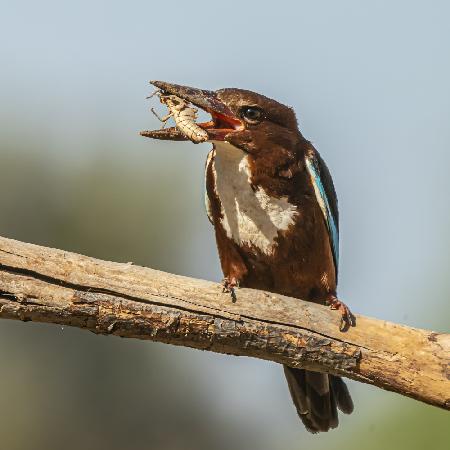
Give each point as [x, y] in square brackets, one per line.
[252, 114]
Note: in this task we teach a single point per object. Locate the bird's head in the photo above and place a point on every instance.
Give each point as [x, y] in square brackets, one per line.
[245, 119]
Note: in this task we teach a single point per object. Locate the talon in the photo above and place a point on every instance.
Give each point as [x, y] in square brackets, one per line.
[229, 285]
[233, 295]
[347, 318]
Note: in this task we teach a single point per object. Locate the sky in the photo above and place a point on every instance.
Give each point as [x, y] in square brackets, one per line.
[369, 84]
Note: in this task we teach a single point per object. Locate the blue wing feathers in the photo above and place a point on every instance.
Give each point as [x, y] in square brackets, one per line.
[326, 197]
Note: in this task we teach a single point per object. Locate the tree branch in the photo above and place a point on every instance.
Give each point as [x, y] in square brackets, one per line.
[47, 285]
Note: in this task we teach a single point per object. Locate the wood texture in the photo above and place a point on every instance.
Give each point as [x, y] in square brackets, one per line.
[47, 285]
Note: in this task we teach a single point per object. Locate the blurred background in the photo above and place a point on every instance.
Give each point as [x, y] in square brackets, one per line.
[370, 84]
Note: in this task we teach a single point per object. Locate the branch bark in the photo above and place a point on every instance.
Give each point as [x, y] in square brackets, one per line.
[47, 285]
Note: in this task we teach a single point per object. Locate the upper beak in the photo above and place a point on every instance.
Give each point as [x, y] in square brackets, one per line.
[223, 119]
[206, 100]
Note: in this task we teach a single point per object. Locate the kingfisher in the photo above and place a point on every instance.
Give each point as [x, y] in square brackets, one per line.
[273, 205]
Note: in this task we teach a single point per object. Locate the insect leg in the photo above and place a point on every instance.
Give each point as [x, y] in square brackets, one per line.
[161, 119]
[156, 91]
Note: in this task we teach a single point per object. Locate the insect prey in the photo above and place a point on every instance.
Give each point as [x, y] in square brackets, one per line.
[183, 115]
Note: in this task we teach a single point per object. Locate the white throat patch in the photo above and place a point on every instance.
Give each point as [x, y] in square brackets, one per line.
[249, 217]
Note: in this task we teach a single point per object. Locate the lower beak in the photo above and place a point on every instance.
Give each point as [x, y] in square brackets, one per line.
[223, 119]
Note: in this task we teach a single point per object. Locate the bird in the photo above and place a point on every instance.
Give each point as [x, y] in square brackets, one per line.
[271, 200]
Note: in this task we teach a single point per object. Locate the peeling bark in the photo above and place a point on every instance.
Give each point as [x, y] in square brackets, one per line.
[47, 285]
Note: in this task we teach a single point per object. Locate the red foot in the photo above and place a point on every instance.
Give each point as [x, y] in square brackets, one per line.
[229, 285]
[347, 318]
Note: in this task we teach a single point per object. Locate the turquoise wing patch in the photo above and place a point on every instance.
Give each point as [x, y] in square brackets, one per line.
[324, 203]
[209, 159]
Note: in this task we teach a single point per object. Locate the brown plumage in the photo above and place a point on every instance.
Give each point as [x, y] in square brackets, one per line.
[273, 231]
[301, 264]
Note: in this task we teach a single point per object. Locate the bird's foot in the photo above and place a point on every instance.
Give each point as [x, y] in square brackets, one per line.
[229, 285]
[347, 318]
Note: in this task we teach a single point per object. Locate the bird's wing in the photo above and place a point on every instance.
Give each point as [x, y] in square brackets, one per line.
[208, 174]
[327, 199]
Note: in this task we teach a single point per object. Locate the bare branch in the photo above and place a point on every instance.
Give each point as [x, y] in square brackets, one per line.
[48, 285]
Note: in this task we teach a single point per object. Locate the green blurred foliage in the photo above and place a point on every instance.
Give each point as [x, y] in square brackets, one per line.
[64, 388]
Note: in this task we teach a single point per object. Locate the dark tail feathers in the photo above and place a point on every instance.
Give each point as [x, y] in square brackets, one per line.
[317, 396]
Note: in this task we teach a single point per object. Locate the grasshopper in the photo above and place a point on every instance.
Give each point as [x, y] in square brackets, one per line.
[183, 115]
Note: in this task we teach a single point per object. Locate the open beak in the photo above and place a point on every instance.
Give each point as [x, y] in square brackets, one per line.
[223, 121]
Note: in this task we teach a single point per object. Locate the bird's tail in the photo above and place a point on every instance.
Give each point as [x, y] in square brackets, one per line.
[317, 396]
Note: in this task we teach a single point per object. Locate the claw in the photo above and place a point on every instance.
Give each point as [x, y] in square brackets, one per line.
[229, 285]
[347, 318]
